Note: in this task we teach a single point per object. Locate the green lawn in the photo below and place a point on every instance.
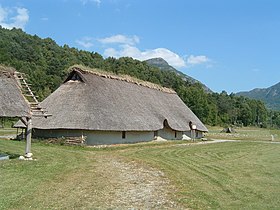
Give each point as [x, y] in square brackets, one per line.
[232, 175]
[220, 176]
[8, 131]
[245, 133]
[50, 181]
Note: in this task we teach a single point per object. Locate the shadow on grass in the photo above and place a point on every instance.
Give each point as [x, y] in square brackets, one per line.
[11, 155]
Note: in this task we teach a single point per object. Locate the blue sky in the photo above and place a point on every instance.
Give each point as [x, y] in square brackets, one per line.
[231, 45]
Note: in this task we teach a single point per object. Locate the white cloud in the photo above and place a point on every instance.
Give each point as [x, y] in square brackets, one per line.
[195, 60]
[21, 18]
[125, 46]
[120, 39]
[97, 2]
[111, 52]
[131, 51]
[3, 14]
[13, 18]
[172, 58]
[86, 42]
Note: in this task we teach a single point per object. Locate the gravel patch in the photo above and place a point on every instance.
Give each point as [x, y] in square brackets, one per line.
[135, 187]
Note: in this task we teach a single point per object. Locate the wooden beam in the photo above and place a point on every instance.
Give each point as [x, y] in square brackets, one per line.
[28, 153]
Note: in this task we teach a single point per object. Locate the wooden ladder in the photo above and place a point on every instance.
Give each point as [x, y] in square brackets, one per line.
[33, 102]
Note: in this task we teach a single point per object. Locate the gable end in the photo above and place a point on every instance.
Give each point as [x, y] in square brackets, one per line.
[76, 76]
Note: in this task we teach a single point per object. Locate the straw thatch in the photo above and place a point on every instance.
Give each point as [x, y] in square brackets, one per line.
[95, 101]
[12, 102]
[126, 78]
[21, 123]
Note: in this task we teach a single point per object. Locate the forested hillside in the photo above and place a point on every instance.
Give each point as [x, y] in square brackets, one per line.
[271, 95]
[46, 63]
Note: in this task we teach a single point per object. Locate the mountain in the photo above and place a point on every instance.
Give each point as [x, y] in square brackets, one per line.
[163, 65]
[270, 96]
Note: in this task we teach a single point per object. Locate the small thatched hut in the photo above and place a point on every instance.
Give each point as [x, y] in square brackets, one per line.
[12, 102]
[110, 109]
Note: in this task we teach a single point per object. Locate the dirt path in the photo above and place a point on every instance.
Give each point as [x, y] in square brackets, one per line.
[214, 141]
[253, 141]
[133, 186]
[105, 181]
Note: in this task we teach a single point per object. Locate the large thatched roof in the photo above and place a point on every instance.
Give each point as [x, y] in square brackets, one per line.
[12, 102]
[98, 101]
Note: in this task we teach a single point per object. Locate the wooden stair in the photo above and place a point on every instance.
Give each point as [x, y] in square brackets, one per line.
[36, 109]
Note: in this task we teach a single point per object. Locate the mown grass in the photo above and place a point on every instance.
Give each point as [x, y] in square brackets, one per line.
[232, 175]
[8, 131]
[61, 178]
[245, 133]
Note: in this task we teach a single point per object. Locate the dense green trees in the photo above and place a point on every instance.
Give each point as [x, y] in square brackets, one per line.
[238, 110]
[46, 64]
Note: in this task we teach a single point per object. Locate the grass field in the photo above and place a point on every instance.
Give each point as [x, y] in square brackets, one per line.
[245, 133]
[220, 176]
[8, 131]
[232, 175]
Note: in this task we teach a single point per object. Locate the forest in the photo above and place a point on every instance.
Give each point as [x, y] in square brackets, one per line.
[46, 64]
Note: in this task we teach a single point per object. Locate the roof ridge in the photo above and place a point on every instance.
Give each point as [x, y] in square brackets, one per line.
[126, 78]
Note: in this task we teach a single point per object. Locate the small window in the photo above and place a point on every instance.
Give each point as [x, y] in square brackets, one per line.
[175, 134]
[123, 134]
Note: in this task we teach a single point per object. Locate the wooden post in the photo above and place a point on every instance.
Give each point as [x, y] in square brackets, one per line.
[193, 135]
[28, 153]
[193, 129]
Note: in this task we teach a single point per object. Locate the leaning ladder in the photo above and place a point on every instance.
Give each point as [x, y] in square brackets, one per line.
[36, 109]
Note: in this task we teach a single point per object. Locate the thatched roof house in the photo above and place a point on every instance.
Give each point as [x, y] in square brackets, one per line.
[114, 109]
[12, 102]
